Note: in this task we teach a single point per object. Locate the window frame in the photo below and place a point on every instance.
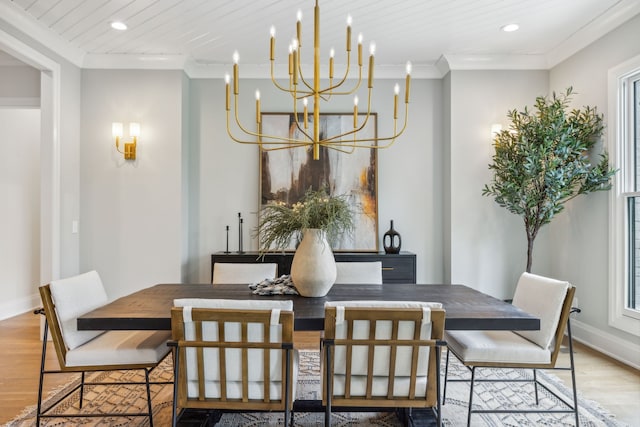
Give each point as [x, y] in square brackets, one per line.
[619, 130]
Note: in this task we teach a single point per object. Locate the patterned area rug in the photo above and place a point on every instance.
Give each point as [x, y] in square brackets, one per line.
[131, 399]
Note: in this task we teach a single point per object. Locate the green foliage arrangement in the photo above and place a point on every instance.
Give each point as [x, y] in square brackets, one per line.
[543, 160]
[279, 223]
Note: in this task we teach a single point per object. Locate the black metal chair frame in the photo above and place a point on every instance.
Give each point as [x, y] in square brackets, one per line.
[44, 413]
[570, 408]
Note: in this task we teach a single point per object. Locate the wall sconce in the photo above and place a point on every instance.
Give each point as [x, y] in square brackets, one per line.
[129, 147]
[496, 128]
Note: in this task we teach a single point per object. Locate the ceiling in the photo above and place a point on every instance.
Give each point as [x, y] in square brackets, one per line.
[203, 34]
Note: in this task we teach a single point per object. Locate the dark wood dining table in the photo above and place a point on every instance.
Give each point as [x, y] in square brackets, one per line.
[466, 308]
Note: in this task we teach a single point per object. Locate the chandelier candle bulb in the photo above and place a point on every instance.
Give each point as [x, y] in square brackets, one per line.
[228, 91]
[236, 82]
[372, 51]
[360, 50]
[331, 54]
[295, 65]
[306, 113]
[272, 49]
[290, 61]
[396, 91]
[355, 111]
[348, 33]
[408, 83]
[299, 27]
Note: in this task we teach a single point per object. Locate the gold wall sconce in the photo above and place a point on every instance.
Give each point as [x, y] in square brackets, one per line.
[129, 147]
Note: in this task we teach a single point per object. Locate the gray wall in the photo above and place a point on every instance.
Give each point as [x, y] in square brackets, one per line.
[580, 244]
[225, 175]
[132, 214]
[487, 243]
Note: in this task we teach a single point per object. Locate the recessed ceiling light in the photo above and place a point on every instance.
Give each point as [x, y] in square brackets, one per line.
[510, 27]
[117, 25]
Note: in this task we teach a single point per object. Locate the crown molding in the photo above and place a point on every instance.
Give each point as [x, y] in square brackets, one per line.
[263, 71]
[134, 62]
[610, 19]
[17, 19]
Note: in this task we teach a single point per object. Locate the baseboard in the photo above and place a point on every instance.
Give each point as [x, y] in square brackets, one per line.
[17, 306]
[610, 345]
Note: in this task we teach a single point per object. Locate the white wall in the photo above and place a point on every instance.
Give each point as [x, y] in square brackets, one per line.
[131, 211]
[580, 233]
[20, 214]
[59, 87]
[487, 243]
[226, 177]
[19, 86]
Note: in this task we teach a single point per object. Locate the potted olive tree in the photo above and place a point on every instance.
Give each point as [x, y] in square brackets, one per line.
[543, 160]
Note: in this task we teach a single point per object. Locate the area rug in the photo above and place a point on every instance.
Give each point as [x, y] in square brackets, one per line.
[128, 398]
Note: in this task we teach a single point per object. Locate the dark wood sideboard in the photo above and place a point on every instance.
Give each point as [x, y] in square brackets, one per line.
[396, 268]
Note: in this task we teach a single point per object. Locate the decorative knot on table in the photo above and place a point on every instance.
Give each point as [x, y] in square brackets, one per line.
[279, 286]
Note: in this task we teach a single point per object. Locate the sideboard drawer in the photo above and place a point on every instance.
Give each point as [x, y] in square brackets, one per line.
[399, 270]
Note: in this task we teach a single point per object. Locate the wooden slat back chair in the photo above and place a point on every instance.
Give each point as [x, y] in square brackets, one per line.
[382, 355]
[358, 272]
[546, 298]
[233, 355]
[85, 351]
[243, 272]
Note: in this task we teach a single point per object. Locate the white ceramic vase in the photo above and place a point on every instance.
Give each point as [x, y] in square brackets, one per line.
[313, 270]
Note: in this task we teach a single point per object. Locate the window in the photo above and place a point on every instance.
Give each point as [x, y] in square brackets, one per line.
[624, 148]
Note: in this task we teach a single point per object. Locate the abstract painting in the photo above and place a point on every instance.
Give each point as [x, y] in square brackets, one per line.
[285, 175]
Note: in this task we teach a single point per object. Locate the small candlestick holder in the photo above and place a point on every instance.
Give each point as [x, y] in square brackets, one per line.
[227, 251]
[240, 221]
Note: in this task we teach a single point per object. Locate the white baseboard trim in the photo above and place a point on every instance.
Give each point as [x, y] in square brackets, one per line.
[18, 306]
[614, 347]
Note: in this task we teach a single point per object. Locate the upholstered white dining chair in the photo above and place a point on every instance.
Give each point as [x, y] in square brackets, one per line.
[233, 355]
[84, 351]
[546, 298]
[382, 354]
[357, 272]
[243, 273]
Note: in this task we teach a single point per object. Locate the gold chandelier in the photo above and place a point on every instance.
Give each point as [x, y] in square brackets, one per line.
[301, 90]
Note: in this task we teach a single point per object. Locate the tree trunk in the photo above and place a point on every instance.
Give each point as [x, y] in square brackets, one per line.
[530, 240]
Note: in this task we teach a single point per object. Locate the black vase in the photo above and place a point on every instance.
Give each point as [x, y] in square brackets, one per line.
[392, 241]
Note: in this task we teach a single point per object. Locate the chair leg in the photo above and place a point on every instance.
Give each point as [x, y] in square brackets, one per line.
[286, 387]
[573, 373]
[176, 364]
[81, 388]
[535, 384]
[149, 406]
[42, 361]
[438, 405]
[328, 379]
[446, 375]
[473, 376]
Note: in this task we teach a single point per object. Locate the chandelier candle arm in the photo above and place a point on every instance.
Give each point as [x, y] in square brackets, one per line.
[344, 142]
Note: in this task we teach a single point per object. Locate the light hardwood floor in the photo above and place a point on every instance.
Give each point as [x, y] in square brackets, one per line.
[614, 385]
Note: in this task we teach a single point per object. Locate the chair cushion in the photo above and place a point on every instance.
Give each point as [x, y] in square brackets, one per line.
[234, 388]
[233, 333]
[495, 346]
[243, 273]
[73, 297]
[543, 297]
[359, 272]
[401, 386]
[121, 348]
[359, 355]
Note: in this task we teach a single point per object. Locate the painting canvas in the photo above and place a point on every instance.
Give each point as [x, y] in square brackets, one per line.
[287, 174]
